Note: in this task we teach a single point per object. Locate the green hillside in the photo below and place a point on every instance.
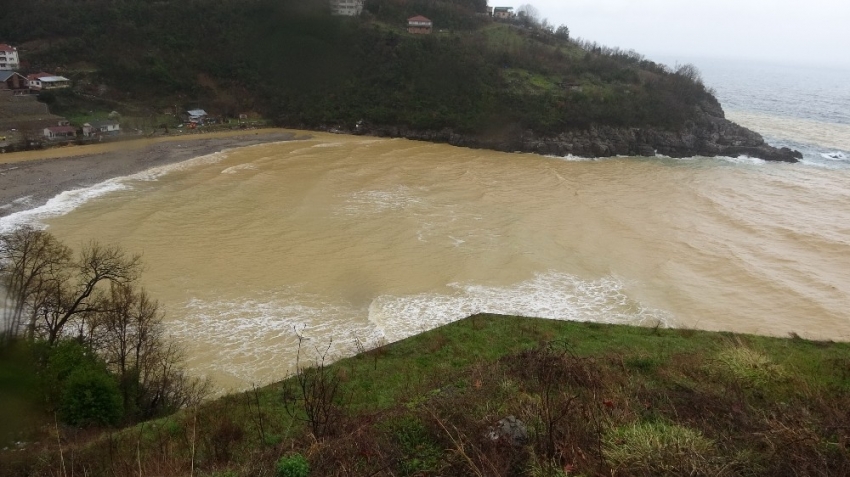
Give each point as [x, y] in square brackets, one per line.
[293, 62]
[494, 395]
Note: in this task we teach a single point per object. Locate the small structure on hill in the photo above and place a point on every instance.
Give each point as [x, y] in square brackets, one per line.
[57, 133]
[349, 8]
[9, 59]
[101, 128]
[196, 116]
[503, 13]
[419, 25]
[13, 81]
[46, 81]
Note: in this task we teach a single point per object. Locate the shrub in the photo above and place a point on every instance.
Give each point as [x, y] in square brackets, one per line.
[91, 397]
[294, 465]
[657, 448]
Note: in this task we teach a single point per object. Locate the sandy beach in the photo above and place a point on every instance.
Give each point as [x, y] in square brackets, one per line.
[29, 179]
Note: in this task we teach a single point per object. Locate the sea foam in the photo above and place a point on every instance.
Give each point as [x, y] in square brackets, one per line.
[66, 201]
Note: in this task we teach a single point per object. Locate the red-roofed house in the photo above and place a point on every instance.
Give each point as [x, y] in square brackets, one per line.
[419, 25]
[60, 132]
[9, 57]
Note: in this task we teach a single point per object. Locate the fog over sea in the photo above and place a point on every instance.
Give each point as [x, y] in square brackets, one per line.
[362, 240]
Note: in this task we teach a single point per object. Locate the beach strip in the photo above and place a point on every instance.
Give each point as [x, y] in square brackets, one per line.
[29, 179]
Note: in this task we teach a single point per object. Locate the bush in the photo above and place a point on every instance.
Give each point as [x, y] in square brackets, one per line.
[91, 397]
[295, 465]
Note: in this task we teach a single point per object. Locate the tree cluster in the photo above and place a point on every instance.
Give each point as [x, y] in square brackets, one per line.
[96, 337]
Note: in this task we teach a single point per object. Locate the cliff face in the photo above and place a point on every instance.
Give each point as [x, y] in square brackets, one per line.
[710, 135]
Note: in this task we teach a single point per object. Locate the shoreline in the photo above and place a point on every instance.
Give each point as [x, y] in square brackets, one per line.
[29, 179]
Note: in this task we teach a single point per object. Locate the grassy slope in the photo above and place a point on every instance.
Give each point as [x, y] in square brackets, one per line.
[596, 399]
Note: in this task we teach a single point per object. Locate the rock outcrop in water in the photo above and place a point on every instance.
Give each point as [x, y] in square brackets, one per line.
[711, 134]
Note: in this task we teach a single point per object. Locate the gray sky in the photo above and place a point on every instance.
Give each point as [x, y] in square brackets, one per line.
[786, 31]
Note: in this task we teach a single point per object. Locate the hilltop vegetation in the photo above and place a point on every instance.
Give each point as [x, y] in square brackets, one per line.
[494, 395]
[293, 62]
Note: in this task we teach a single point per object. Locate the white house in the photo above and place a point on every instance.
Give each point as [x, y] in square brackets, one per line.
[42, 81]
[9, 59]
[60, 132]
[504, 13]
[350, 8]
[196, 115]
[101, 128]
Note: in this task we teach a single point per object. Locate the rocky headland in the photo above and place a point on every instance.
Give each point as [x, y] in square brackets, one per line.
[710, 134]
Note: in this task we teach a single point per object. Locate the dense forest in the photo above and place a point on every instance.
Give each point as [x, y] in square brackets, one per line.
[295, 63]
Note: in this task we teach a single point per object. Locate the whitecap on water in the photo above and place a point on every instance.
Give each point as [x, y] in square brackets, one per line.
[240, 167]
[743, 160]
[67, 201]
[60, 205]
[551, 295]
[834, 156]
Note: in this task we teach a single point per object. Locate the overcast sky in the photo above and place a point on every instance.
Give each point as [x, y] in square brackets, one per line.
[785, 31]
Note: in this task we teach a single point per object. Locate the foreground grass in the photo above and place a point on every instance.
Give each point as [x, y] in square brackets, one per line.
[592, 400]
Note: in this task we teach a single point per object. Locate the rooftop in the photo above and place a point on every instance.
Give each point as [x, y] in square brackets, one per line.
[102, 123]
[4, 75]
[62, 129]
[50, 79]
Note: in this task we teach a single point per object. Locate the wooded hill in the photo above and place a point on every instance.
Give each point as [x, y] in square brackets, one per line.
[293, 62]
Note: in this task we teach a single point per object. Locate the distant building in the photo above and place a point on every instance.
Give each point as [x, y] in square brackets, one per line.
[350, 8]
[101, 128]
[419, 25]
[44, 81]
[13, 81]
[55, 133]
[9, 59]
[504, 13]
[196, 116]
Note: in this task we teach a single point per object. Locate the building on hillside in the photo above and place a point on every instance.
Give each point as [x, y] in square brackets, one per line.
[13, 81]
[350, 8]
[9, 59]
[503, 13]
[196, 116]
[419, 25]
[101, 128]
[45, 81]
[58, 133]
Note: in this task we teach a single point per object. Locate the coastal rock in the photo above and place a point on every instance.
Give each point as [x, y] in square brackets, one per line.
[709, 134]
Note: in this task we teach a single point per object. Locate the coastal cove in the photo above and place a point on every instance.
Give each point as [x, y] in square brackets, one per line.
[351, 239]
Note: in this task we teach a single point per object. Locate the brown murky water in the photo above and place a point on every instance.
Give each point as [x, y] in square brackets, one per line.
[355, 239]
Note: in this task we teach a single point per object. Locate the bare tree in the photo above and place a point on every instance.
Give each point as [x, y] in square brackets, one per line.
[529, 14]
[49, 295]
[45, 288]
[315, 391]
[129, 336]
[32, 264]
[76, 296]
[690, 72]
